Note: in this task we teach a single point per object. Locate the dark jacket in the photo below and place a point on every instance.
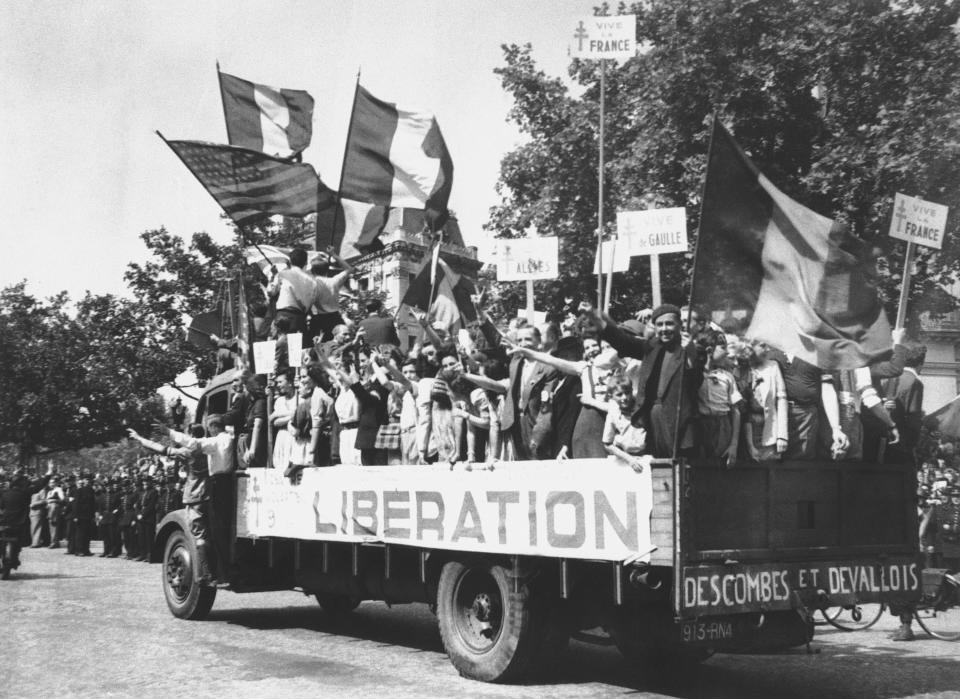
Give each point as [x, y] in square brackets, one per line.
[15, 502]
[373, 413]
[109, 507]
[130, 507]
[671, 391]
[906, 391]
[85, 505]
[148, 503]
[531, 424]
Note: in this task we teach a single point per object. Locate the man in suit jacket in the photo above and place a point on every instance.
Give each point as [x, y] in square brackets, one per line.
[378, 330]
[669, 378]
[527, 406]
[904, 401]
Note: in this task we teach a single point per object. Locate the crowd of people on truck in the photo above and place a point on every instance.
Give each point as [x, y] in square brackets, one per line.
[666, 382]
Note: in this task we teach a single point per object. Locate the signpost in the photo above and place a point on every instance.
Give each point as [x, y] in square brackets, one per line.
[918, 222]
[600, 38]
[527, 259]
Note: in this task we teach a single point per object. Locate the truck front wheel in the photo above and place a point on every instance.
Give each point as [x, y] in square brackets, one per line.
[492, 627]
[186, 598]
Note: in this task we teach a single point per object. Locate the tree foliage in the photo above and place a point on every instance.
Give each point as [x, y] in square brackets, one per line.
[74, 374]
[841, 105]
[183, 279]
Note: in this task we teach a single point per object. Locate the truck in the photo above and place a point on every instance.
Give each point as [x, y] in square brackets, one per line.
[672, 564]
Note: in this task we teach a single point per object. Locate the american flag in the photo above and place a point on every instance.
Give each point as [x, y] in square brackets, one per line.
[250, 185]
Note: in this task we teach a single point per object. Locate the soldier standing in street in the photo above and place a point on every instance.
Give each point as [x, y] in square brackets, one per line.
[147, 517]
[128, 519]
[69, 505]
[85, 507]
[109, 516]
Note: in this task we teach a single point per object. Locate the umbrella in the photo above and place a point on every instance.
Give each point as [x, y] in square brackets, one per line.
[945, 420]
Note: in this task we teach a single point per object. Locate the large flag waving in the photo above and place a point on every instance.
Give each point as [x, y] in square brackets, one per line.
[451, 304]
[272, 120]
[249, 185]
[396, 157]
[782, 273]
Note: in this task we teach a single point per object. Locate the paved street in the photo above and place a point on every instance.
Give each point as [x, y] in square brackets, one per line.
[99, 627]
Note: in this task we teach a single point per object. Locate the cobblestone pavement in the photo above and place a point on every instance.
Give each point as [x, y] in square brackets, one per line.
[99, 627]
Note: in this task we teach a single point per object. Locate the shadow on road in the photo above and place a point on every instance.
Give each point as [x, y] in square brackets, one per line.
[786, 675]
[370, 622]
[16, 576]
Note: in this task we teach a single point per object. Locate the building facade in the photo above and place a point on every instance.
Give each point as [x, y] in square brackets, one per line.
[392, 268]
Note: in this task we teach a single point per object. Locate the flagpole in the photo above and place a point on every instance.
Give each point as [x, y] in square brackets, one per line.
[905, 286]
[434, 259]
[609, 289]
[603, 84]
[343, 169]
[693, 281]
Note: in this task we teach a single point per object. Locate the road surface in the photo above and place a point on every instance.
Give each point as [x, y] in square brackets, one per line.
[100, 627]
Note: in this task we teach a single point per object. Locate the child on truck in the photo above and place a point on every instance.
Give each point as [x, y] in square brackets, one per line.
[621, 437]
[718, 396]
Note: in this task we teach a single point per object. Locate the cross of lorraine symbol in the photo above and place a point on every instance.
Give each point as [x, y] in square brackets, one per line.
[580, 35]
[901, 214]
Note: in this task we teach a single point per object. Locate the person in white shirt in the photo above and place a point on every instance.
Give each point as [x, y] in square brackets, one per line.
[325, 314]
[295, 290]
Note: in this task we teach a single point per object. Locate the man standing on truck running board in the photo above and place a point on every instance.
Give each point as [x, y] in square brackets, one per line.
[204, 456]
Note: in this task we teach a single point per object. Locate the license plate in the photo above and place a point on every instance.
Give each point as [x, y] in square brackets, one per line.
[706, 631]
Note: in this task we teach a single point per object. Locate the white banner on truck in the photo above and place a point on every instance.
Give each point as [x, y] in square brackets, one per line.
[586, 508]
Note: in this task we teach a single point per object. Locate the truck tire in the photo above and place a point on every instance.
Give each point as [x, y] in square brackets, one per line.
[186, 598]
[493, 628]
[337, 606]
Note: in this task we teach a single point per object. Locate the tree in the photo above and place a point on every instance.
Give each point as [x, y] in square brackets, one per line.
[182, 280]
[840, 104]
[74, 374]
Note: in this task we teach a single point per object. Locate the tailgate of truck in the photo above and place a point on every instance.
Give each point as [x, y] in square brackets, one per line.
[765, 537]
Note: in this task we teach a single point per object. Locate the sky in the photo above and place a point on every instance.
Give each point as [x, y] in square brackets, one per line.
[87, 84]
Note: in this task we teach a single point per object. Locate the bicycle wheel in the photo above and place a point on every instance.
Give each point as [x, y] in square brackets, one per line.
[855, 617]
[940, 616]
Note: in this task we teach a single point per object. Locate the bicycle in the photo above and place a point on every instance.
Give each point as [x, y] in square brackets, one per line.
[858, 616]
[938, 611]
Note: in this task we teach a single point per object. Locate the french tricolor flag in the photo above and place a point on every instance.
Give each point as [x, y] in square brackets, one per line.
[273, 120]
[397, 158]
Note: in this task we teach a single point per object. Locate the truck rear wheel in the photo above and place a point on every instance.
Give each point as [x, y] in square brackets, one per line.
[186, 598]
[493, 628]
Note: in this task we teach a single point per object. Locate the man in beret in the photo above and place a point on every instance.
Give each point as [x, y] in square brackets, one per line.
[668, 378]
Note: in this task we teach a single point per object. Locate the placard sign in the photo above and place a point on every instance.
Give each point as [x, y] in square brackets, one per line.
[610, 249]
[294, 348]
[264, 356]
[918, 221]
[605, 37]
[653, 232]
[527, 258]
